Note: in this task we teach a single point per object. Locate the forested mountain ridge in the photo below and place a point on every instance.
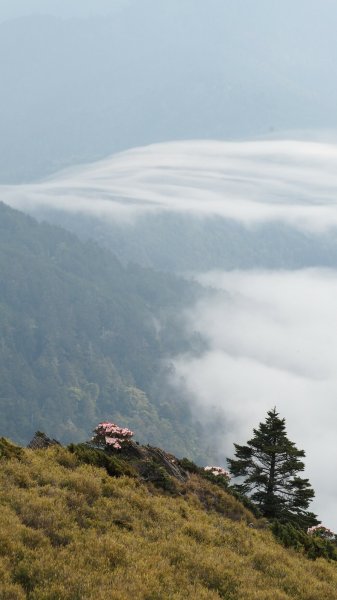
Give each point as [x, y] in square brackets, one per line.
[83, 338]
[201, 244]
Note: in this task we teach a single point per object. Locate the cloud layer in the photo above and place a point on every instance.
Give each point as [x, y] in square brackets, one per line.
[271, 334]
[294, 182]
[272, 342]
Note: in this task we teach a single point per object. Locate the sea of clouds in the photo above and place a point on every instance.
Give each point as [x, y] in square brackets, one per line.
[272, 341]
[272, 335]
[289, 181]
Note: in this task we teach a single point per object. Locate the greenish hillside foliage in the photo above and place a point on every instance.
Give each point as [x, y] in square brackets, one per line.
[83, 338]
[202, 244]
[71, 531]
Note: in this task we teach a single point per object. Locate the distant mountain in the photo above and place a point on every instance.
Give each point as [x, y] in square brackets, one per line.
[200, 205]
[78, 89]
[178, 243]
[83, 338]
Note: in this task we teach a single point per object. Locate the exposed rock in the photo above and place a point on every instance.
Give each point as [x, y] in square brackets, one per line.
[168, 461]
[150, 454]
[41, 440]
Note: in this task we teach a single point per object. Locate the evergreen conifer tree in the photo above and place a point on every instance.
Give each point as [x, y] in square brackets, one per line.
[269, 465]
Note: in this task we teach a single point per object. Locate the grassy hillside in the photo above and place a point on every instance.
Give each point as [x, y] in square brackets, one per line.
[70, 531]
[83, 338]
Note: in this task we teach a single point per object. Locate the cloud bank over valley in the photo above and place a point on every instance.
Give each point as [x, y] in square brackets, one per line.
[270, 333]
[271, 342]
[289, 181]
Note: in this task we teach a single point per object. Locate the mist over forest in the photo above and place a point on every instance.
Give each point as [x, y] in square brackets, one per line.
[177, 271]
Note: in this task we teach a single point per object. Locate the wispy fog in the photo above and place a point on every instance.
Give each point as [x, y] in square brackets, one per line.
[272, 342]
[293, 182]
[82, 79]
[271, 335]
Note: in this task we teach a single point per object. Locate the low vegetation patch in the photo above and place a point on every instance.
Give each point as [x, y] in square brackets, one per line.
[71, 531]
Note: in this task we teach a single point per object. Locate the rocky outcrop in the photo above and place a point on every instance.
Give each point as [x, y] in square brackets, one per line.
[41, 440]
[168, 461]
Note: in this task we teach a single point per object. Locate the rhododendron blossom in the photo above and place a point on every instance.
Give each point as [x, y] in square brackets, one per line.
[114, 442]
[218, 471]
[321, 531]
[111, 435]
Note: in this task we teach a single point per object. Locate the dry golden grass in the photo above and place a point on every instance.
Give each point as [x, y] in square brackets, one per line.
[71, 532]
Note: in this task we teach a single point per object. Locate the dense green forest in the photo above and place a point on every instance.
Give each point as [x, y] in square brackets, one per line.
[83, 338]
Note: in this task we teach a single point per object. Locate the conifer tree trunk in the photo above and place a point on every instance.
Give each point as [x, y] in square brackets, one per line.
[270, 487]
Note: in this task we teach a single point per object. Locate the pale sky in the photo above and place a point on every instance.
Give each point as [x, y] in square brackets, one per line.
[63, 8]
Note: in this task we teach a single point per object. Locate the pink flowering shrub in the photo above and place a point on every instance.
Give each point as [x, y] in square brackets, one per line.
[322, 532]
[109, 435]
[218, 471]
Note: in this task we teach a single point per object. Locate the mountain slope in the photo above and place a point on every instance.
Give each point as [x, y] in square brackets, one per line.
[83, 338]
[70, 531]
[201, 244]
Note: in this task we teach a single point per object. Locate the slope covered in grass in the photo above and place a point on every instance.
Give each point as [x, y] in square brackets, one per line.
[70, 531]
